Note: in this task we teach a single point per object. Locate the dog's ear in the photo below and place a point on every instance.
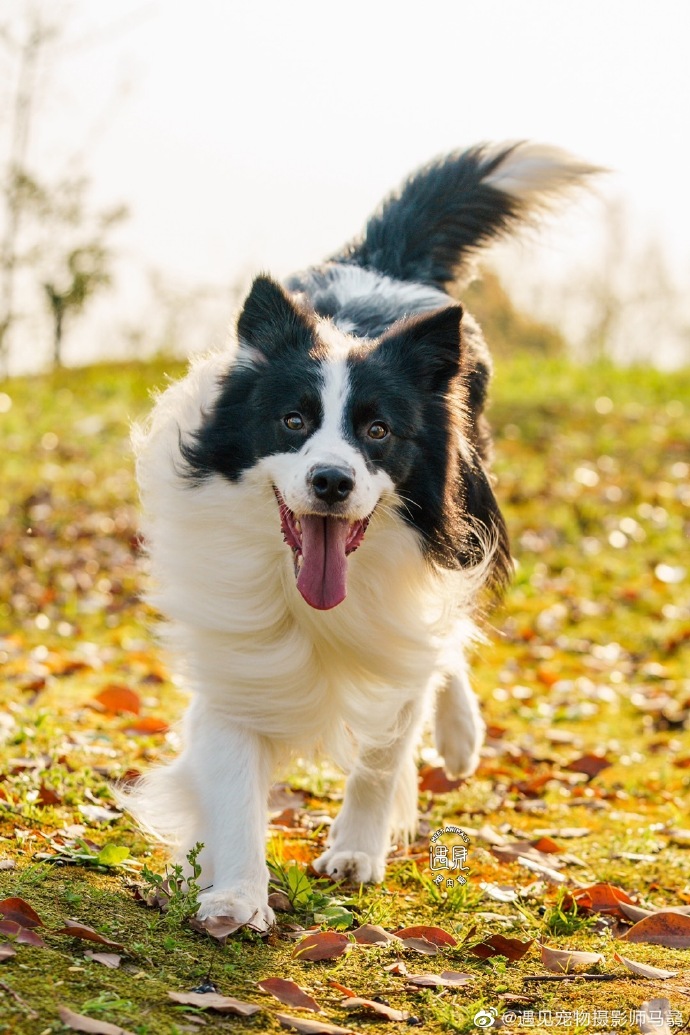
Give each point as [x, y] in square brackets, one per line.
[270, 321]
[429, 345]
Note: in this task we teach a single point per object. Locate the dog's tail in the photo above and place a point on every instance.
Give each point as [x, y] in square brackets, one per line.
[431, 227]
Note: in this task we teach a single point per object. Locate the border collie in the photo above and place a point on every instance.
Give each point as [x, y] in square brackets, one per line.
[320, 523]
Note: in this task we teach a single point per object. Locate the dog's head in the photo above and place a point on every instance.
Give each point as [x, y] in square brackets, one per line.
[341, 426]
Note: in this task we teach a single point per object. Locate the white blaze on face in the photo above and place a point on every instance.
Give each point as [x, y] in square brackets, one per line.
[324, 540]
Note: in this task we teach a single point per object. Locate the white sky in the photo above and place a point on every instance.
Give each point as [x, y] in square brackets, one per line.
[260, 134]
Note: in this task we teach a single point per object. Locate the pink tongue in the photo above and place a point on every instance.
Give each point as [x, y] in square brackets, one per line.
[323, 578]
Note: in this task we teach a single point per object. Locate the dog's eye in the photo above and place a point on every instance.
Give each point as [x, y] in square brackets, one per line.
[378, 431]
[293, 421]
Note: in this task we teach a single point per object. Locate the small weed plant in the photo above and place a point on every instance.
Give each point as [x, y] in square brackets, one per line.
[176, 894]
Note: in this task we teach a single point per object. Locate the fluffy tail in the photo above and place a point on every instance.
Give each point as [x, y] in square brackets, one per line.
[430, 228]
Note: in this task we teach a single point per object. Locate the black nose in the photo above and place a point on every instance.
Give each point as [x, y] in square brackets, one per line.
[331, 484]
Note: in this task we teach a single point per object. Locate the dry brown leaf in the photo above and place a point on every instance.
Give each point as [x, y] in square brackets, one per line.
[20, 911]
[547, 845]
[289, 993]
[307, 1026]
[656, 1017]
[373, 934]
[108, 959]
[398, 968]
[498, 945]
[322, 945]
[432, 934]
[21, 935]
[643, 970]
[671, 930]
[6, 951]
[77, 930]
[446, 979]
[372, 1006]
[599, 898]
[426, 948]
[562, 961]
[47, 796]
[279, 901]
[434, 780]
[117, 699]
[634, 913]
[589, 764]
[91, 1025]
[216, 1002]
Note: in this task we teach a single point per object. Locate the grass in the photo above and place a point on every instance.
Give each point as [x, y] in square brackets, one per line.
[587, 655]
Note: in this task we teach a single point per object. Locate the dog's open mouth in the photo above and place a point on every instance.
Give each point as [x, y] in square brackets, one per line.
[320, 546]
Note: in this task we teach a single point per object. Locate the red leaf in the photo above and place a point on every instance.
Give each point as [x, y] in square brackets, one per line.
[322, 945]
[88, 934]
[21, 935]
[116, 699]
[47, 796]
[289, 993]
[434, 780]
[147, 724]
[432, 934]
[21, 912]
[497, 945]
[373, 934]
[343, 988]
[599, 898]
[591, 765]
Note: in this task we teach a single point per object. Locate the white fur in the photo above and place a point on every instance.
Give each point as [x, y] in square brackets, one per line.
[271, 674]
[538, 175]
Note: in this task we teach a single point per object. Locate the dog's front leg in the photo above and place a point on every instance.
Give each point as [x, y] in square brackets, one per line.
[382, 780]
[231, 767]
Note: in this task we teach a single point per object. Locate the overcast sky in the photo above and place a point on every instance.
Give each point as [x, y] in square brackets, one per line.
[259, 135]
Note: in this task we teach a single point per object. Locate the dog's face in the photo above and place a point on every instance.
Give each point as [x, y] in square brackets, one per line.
[339, 425]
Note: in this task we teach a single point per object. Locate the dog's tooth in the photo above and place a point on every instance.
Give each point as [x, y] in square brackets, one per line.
[298, 525]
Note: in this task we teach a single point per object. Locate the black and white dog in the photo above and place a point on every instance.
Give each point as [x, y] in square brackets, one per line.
[320, 522]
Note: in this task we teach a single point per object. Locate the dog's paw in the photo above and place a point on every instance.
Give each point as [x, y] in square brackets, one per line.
[459, 744]
[355, 867]
[236, 907]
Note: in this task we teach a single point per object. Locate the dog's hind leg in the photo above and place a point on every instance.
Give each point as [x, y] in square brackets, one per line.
[380, 795]
[459, 727]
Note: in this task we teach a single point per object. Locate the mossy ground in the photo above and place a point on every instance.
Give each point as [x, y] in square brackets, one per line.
[588, 654]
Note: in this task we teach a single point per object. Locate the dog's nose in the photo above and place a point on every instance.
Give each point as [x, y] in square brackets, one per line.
[331, 484]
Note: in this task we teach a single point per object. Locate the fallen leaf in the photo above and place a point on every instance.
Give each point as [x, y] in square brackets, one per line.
[47, 796]
[372, 1006]
[307, 1026]
[634, 913]
[77, 930]
[278, 900]
[671, 930]
[21, 912]
[426, 948]
[446, 979]
[220, 927]
[432, 934]
[547, 845]
[116, 699]
[99, 813]
[147, 724]
[498, 945]
[561, 961]
[21, 935]
[373, 934]
[282, 796]
[108, 959]
[6, 951]
[643, 970]
[289, 993]
[398, 968]
[91, 1025]
[589, 764]
[434, 780]
[216, 1002]
[322, 945]
[599, 898]
[499, 892]
[656, 1017]
[343, 988]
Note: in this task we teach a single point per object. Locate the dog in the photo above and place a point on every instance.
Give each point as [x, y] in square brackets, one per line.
[321, 525]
